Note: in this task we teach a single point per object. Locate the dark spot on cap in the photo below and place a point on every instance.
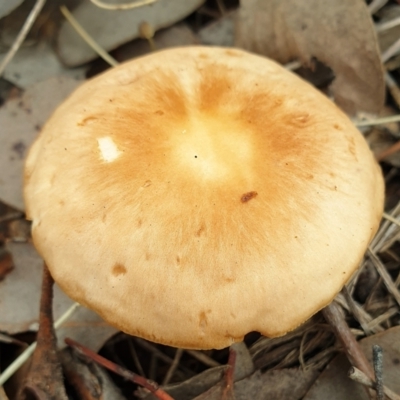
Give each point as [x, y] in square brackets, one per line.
[118, 269]
[248, 196]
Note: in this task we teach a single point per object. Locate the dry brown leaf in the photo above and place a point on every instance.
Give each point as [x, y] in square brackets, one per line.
[338, 33]
[334, 383]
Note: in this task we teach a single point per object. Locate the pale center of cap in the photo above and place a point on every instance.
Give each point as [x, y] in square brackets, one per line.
[214, 148]
[108, 149]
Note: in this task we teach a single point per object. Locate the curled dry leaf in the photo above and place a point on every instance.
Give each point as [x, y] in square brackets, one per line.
[339, 33]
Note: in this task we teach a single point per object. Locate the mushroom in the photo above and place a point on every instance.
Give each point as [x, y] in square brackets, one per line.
[197, 194]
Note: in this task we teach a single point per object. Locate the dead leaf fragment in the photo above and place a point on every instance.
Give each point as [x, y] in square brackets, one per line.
[334, 383]
[339, 33]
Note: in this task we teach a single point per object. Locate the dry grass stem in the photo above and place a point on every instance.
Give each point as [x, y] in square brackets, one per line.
[22, 34]
[122, 6]
[387, 280]
[377, 121]
[357, 375]
[360, 314]
[173, 366]
[383, 26]
[87, 38]
[203, 358]
[383, 317]
[135, 357]
[393, 88]
[393, 50]
[376, 5]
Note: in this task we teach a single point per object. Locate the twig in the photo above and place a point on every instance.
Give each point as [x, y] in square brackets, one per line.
[87, 38]
[383, 26]
[228, 392]
[376, 5]
[207, 361]
[389, 151]
[154, 350]
[377, 121]
[173, 366]
[135, 357]
[139, 380]
[23, 357]
[334, 315]
[391, 219]
[387, 280]
[22, 34]
[11, 216]
[356, 375]
[393, 88]
[377, 354]
[391, 51]
[126, 6]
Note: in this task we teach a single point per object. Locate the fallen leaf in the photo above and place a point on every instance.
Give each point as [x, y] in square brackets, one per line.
[7, 6]
[37, 63]
[111, 29]
[177, 35]
[19, 303]
[334, 383]
[220, 32]
[21, 119]
[339, 34]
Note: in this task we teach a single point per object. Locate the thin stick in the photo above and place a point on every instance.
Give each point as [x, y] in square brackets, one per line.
[391, 219]
[126, 6]
[387, 279]
[391, 51]
[139, 380]
[207, 361]
[377, 354]
[358, 376]
[383, 26]
[22, 34]
[377, 121]
[21, 359]
[173, 366]
[376, 5]
[87, 38]
[334, 315]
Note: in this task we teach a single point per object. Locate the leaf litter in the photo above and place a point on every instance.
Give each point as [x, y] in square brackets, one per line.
[284, 368]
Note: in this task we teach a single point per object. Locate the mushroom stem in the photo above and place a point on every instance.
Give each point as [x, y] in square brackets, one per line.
[334, 316]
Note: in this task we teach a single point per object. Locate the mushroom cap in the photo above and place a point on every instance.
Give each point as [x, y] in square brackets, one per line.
[197, 194]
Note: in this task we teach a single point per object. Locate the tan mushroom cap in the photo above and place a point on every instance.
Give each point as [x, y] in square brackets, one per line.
[197, 194]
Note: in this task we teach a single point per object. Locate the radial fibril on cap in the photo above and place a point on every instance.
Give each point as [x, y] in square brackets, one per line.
[197, 194]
